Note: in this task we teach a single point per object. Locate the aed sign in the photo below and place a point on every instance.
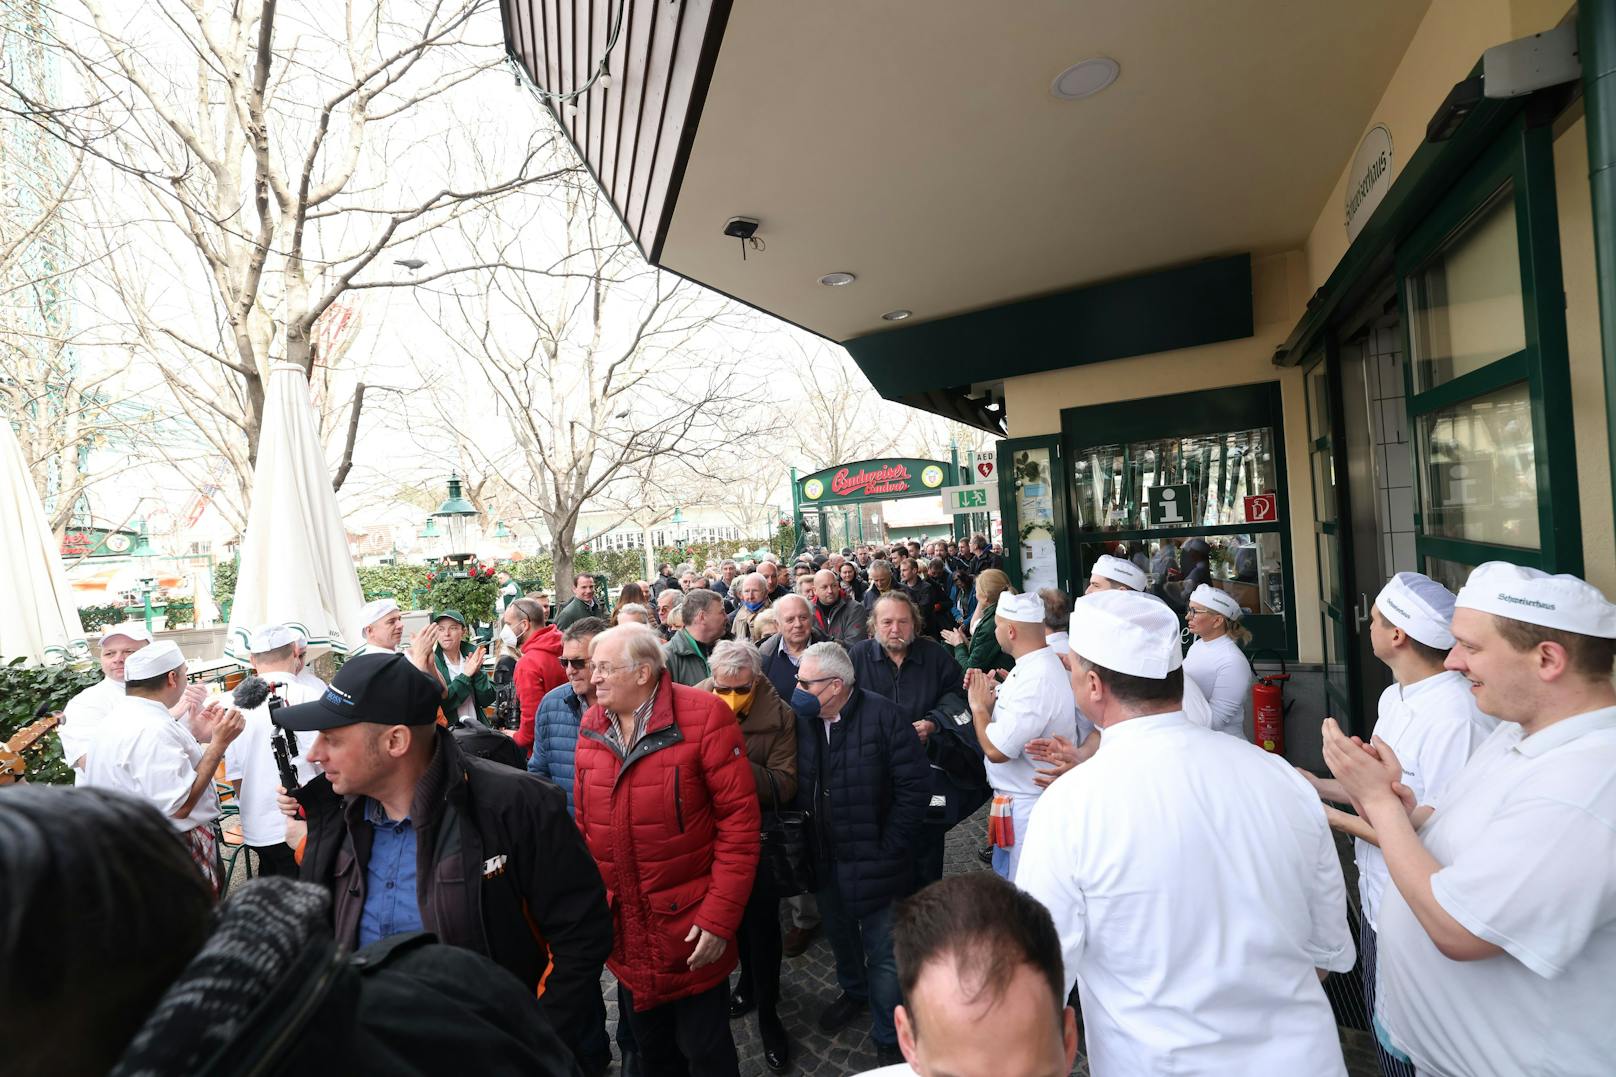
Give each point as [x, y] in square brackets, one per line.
[963, 499]
[1369, 177]
[1262, 509]
[1169, 506]
[985, 466]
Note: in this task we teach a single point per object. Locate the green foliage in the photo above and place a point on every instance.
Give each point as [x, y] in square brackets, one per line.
[224, 581]
[25, 691]
[473, 596]
[401, 582]
[180, 613]
[785, 541]
[618, 566]
[98, 617]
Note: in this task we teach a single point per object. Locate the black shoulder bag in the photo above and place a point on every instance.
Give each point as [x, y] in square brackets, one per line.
[786, 856]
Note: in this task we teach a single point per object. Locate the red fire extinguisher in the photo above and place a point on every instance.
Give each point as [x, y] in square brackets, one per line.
[1268, 708]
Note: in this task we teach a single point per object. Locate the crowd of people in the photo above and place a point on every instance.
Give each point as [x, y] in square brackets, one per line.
[720, 753]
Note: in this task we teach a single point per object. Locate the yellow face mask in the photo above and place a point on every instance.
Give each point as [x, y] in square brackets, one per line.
[738, 699]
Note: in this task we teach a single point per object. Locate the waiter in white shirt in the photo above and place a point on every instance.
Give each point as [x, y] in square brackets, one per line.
[1034, 701]
[1192, 877]
[304, 675]
[142, 749]
[382, 625]
[249, 762]
[1498, 936]
[1428, 717]
[1215, 661]
[85, 711]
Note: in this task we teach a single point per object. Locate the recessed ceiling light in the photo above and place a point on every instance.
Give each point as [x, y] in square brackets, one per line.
[836, 280]
[896, 315]
[1085, 78]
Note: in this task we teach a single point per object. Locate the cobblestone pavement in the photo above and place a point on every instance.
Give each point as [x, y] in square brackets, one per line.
[808, 983]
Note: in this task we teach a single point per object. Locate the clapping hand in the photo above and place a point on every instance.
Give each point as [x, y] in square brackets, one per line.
[1370, 773]
[190, 703]
[421, 647]
[474, 663]
[954, 637]
[222, 724]
[979, 689]
[1059, 752]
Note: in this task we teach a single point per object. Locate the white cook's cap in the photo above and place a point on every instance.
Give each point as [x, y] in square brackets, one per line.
[153, 661]
[1419, 606]
[269, 638]
[1115, 568]
[1127, 632]
[1209, 597]
[371, 612]
[1024, 608]
[1531, 595]
[134, 630]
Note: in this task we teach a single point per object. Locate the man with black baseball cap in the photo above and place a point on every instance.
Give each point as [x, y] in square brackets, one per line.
[410, 834]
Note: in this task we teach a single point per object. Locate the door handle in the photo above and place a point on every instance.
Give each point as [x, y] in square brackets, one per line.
[1360, 612]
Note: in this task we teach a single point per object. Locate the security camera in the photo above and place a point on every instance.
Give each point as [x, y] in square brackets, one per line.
[741, 227]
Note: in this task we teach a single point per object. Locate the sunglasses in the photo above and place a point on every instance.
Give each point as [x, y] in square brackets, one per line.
[575, 663]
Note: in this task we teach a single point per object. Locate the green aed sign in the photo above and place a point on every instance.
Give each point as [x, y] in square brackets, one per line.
[872, 480]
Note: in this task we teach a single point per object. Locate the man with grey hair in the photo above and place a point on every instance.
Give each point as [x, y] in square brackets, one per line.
[686, 653]
[838, 616]
[782, 653]
[862, 774]
[750, 596]
[668, 806]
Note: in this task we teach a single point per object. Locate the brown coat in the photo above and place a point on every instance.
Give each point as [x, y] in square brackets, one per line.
[770, 732]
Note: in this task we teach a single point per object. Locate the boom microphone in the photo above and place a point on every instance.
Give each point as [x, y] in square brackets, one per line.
[251, 693]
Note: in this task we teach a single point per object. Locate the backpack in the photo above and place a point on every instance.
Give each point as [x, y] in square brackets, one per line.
[474, 738]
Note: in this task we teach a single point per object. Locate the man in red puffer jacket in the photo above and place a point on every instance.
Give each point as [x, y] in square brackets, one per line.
[668, 807]
[539, 668]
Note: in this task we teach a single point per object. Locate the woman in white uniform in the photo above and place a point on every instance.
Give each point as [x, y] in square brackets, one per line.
[1215, 661]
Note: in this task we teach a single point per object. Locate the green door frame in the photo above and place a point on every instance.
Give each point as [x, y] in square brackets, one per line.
[1213, 411]
[1522, 157]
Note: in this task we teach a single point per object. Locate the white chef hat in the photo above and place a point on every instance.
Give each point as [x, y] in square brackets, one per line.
[1127, 632]
[1115, 568]
[1217, 601]
[153, 661]
[1531, 595]
[270, 638]
[134, 630]
[371, 612]
[1419, 606]
[1025, 608]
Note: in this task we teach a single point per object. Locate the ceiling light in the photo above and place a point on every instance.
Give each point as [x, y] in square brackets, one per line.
[896, 315]
[836, 280]
[1085, 78]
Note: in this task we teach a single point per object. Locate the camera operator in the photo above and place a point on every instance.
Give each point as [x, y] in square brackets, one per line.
[249, 763]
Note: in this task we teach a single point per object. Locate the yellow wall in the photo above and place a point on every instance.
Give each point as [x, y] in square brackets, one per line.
[1034, 403]
[1583, 343]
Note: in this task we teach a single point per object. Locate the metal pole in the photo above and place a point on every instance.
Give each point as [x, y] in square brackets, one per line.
[962, 530]
[1596, 42]
[796, 506]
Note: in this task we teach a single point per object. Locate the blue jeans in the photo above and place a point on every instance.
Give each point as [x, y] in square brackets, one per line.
[865, 967]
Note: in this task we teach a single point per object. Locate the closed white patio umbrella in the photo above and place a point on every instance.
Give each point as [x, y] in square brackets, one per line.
[296, 568]
[41, 618]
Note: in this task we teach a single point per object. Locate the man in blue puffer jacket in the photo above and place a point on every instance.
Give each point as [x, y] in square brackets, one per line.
[863, 774]
[555, 727]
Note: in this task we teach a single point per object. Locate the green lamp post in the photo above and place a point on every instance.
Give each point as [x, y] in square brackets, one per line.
[679, 532]
[455, 512]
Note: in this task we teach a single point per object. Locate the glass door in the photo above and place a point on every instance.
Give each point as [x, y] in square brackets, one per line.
[1335, 613]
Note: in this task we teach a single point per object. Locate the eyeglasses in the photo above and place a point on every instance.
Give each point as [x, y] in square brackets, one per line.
[609, 671]
[575, 663]
[719, 689]
[808, 682]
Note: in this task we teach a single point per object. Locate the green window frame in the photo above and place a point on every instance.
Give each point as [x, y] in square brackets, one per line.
[1521, 162]
[1205, 413]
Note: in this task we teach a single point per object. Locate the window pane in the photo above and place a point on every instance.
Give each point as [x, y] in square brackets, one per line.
[1480, 470]
[1035, 517]
[1318, 402]
[1466, 304]
[1324, 495]
[1330, 569]
[1112, 482]
[1249, 567]
[1450, 574]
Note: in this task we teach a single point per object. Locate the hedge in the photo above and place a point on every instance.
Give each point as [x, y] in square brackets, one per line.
[25, 691]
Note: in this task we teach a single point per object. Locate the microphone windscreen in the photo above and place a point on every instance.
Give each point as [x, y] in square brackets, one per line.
[251, 693]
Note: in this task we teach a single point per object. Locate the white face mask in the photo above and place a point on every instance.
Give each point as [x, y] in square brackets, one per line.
[507, 636]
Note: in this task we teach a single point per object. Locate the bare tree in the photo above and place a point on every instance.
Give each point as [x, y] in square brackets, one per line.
[585, 378]
[281, 150]
[841, 418]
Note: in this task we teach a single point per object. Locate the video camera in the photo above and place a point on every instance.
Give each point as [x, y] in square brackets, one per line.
[254, 692]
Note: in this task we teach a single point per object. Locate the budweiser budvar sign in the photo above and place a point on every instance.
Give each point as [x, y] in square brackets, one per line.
[892, 479]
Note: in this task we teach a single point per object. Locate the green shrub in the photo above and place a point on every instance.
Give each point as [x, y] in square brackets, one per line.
[224, 583]
[180, 613]
[24, 691]
[94, 618]
[405, 584]
[473, 596]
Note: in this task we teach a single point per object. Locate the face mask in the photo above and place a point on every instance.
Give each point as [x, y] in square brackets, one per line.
[508, 636]
[738, 701]
[805, 704]
[753, 607]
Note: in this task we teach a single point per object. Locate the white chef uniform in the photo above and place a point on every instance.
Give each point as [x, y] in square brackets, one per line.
[1034, 701]
[141, 749]
[1220, 670]
[1433, 726]
[250, 760]
[82, 716]
[1194, 883]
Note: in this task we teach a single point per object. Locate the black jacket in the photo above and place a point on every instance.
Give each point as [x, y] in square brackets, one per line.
[930, 685]
[271, 993]
[500, 869]
[867, 789]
